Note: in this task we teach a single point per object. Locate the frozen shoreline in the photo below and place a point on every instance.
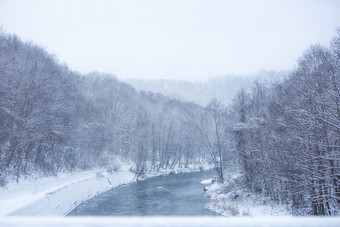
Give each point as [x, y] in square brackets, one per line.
[229, 199]
[57, 196]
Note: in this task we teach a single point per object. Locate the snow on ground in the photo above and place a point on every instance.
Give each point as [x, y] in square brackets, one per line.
[278, 221]
[230, 200]
[57, 196]
[183, 169]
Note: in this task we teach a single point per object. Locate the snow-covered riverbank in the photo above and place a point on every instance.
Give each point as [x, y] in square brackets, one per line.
[229, 199]
[57, 196]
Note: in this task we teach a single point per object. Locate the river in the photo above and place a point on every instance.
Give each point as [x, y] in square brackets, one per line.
[170, 195]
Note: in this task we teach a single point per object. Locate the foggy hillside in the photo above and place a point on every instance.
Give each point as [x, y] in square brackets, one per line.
[200, 92]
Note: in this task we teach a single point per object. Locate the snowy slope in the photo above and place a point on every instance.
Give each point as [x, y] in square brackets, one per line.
[56, 196]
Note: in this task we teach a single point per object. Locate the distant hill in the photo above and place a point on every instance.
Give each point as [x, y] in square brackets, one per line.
[200, 92]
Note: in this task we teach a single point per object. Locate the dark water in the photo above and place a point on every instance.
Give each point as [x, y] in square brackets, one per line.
[176, 194]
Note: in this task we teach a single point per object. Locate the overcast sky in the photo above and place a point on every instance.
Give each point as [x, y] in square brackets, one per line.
[176, 39]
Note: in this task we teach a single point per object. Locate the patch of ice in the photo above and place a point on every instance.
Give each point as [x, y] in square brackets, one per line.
[207, 181]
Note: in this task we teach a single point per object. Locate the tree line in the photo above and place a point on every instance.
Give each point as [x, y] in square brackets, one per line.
[284, 138]
[53, 119]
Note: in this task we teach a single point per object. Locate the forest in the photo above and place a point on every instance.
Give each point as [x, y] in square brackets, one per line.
[283, 138]
[53, 119]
